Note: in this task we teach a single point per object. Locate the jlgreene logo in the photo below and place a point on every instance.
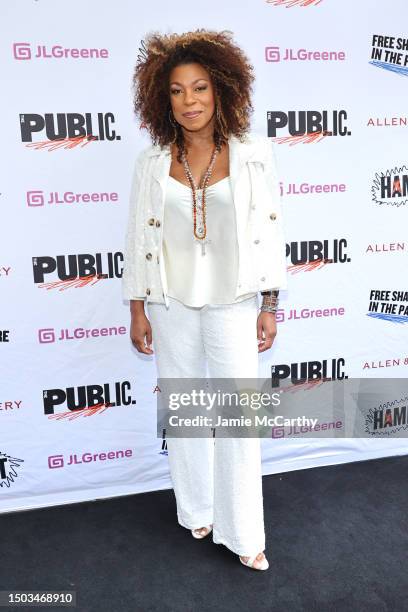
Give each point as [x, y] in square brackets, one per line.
[58, 461]
[38, 198]
[29, 51]
[276, 54]
[48, 335]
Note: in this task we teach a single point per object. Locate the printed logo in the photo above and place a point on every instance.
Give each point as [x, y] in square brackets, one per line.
[306, 256]
[55, 461]
[5, 271]
[400, 121]
[47, 335]
[22, 51]
[10, 405]
[274, 54]
[386, 363]
[307, 373]
[66, 130]
[306, 188]
[39, 198]
[307, 313]
[76, 270]
[391, 187]
[306, 126]
[390, 53]
[388, 305]
[58, 461]
[9, 467]
[4, 335]
[86, 400]
[388, 419]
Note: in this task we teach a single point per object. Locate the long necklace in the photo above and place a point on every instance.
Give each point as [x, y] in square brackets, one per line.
[199, 232]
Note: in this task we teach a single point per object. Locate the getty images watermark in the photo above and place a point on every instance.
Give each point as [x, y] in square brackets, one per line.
[247, 400]
[267, 408]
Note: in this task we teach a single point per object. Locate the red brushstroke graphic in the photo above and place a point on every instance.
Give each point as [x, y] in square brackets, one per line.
[309, 266]
[307, 138]
[62, 143]
[290, 3]
[81, 281]
[70, 415]
[309, 384]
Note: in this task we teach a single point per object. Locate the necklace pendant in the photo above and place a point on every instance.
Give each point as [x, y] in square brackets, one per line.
[202, 243]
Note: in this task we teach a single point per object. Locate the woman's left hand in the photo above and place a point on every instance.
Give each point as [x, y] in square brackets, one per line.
[266, 330]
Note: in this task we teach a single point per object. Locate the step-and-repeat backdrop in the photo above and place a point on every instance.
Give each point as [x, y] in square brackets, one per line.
[77, 402]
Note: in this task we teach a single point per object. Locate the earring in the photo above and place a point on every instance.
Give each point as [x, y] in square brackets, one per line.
[218, 113]
[174, 124]
[171, 119]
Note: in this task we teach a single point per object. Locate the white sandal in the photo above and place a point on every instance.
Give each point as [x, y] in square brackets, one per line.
[250, 563]
[200, 536]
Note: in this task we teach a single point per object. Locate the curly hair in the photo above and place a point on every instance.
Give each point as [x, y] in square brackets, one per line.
[230, 71]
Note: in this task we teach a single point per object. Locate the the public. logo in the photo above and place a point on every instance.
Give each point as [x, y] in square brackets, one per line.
[308, 255]
[306, 126]
[391, 187]
[66, 130]
[76, 270]
[9, 469]
[86, 400]
[308, 372]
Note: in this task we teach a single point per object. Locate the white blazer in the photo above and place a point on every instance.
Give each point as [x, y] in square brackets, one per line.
[260, 232]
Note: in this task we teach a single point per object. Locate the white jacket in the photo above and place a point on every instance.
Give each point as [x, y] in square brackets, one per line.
[260, 233]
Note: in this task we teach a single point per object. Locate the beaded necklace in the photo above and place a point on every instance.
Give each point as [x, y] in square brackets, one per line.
[199, 232]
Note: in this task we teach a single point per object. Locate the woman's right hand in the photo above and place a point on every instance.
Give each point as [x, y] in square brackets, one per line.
[139, 330]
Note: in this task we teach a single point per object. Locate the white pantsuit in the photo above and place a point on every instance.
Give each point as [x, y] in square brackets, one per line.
[217, 480]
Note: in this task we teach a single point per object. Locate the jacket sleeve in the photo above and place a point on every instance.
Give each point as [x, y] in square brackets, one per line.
[133, 285]
[272, 178]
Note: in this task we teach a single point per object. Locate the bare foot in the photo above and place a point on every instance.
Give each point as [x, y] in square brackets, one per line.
[258, 561]
[203, 531]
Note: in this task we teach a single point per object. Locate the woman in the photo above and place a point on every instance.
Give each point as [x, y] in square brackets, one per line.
[204, 237]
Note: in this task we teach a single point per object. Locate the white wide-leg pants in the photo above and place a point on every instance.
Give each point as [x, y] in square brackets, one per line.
[215, 480]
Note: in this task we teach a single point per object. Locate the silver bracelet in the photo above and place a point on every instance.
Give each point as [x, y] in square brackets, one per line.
[268, 308]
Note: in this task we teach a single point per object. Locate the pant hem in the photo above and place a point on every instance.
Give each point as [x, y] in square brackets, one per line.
[245, 551]
[201, 521]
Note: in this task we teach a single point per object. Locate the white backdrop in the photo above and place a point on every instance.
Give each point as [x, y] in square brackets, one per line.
[64, 203]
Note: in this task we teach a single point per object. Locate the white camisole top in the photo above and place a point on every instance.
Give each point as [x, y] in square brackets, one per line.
[193, 278]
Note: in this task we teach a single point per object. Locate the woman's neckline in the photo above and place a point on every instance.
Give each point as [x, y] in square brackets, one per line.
[188, 186]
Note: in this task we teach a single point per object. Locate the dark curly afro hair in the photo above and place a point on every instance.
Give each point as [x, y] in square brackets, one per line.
[230, 71]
